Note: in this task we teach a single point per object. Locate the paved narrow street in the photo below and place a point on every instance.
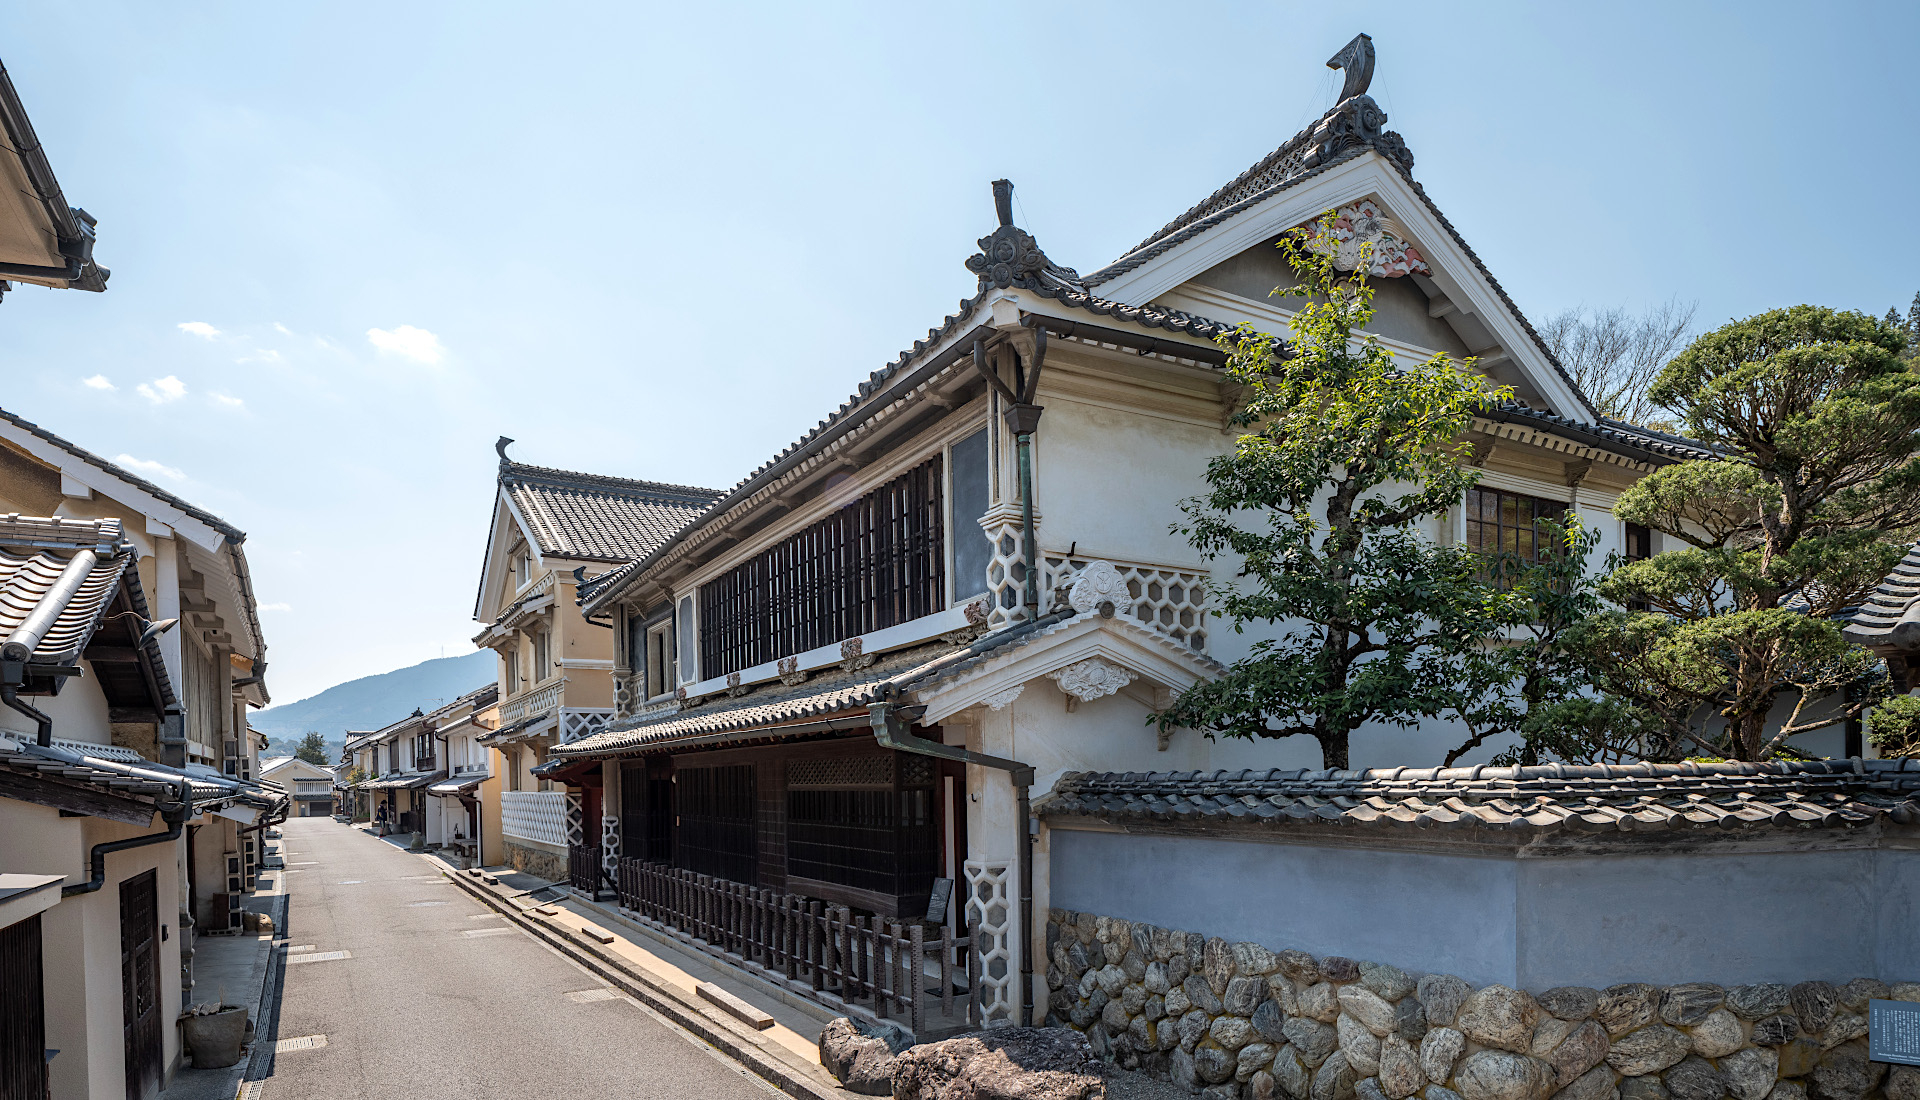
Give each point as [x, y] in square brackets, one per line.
[435, 998]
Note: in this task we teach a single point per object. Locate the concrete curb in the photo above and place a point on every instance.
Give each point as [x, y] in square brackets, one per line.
[772, 1064]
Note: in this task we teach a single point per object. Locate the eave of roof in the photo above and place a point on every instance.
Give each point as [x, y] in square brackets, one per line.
[1890, 615]
[233, 536]
[1550, 798]
[73, 229]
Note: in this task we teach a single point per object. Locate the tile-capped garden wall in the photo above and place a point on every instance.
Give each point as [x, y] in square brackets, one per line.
[1238, 1021]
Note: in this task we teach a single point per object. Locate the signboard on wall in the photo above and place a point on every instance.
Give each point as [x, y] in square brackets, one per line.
[1893, 1032]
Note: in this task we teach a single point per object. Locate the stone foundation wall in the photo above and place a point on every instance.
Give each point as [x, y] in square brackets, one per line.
[536, 862]
[1238, 1021]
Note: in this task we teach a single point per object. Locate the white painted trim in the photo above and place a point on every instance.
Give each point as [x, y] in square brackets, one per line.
[1366, 176]
[937, 439]
[584, 662]
[1164, 662]
[87, 475]
[923, 629]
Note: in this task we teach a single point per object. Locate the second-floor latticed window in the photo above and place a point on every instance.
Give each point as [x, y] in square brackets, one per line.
[875, 563]
[542, 656]
[1503, 522]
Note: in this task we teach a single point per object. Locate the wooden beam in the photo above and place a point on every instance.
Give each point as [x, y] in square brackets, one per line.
[134, 714]
[76, 798]
[111, 654]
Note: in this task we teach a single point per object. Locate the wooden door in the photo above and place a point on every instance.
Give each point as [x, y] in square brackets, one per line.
[23, 1033]
[140, 983]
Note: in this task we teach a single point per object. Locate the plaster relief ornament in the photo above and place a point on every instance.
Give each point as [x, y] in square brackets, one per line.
[1353, 228]
[1099, 583]
[1001, 700]
[1093, 678]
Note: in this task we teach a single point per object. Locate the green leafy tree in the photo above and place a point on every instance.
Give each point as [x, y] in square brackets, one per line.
[1344, 452]
[1894, 727]
[312, 749]
[1814, 501]
[1531, 679]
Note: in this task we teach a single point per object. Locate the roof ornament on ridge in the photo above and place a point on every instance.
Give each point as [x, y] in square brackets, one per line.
[1009, 256]
[1356, 120]
[500, 448]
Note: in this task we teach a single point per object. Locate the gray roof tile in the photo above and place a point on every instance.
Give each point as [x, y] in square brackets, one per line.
[1890, 616]
[33, 554]
[1561, 797]
[575, 515]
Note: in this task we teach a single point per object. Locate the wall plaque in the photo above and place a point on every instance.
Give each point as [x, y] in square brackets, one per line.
[1893, 1032]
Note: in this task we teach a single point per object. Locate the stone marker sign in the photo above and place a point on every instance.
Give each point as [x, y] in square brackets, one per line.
[1893, 1032]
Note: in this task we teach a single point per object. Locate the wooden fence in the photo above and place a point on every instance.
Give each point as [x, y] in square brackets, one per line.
[826, 948]
[584, 872]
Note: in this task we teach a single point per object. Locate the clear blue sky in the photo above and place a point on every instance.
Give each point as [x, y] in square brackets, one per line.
[664, 242]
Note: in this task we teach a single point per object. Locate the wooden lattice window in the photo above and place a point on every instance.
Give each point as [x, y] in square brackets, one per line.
[852, 823]
[1503, 522]
[875, 563]
[715, 834]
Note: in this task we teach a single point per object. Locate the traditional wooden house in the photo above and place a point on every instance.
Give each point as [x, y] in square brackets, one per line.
[913, 652]
[551, 530]
[309, 786]
[104, 837]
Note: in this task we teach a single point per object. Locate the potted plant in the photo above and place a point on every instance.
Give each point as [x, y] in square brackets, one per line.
[214, 1033]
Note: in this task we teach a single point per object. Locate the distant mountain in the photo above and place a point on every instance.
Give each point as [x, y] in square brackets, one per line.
[285, 746]
[374, 701]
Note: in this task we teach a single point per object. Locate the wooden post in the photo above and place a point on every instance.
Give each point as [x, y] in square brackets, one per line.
[946, 969]
[973, 973]
[815, 950]
[913, 974]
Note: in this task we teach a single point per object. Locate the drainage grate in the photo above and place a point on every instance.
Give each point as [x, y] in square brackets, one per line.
[474, 932]
[319, 957]
[424, 904]
[252, 1090]
[588, 996]
[348, 882]
[299, 949]
[304, 1042]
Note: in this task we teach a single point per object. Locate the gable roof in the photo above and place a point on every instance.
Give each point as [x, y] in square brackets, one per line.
[1348, 131]
[598, 518]
[224, 540]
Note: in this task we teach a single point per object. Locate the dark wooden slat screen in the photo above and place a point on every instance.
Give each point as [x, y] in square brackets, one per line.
[875, 563]
[23, 1037]
[716, 811]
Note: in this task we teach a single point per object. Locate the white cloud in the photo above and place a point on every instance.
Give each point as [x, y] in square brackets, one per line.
[199, 328]
[98, 382]
[282, 329]
[148, 466]
[276, 607]
[229, 402]
[260, 355]
[162, 390]
[416, 344]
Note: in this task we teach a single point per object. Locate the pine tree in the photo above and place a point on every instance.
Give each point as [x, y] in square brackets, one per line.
[313, 749]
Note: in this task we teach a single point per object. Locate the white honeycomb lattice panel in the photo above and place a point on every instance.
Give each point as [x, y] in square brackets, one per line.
[610, 846]
[1006, 572]
[534, 815]
[990, 902]
[1171, 601]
